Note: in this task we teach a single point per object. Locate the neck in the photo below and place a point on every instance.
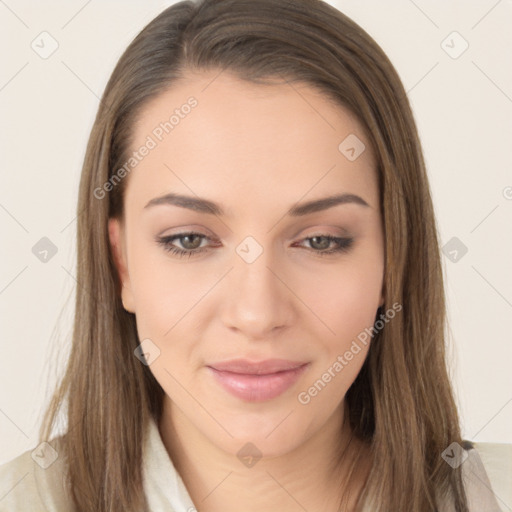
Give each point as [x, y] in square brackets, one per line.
[312, 476]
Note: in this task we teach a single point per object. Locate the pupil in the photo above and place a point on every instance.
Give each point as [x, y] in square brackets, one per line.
[194, 246]
[324, 245]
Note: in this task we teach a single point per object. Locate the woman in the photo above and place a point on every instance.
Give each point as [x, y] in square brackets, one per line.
[260, 310]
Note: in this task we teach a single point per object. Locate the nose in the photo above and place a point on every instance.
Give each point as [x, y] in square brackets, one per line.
[257, 300]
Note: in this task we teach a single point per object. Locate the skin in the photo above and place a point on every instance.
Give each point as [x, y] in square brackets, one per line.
[256, 150]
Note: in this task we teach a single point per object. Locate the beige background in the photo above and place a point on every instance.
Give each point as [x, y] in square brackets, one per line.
[463, 107]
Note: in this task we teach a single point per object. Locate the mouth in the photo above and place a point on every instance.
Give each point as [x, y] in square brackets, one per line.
[257, 381]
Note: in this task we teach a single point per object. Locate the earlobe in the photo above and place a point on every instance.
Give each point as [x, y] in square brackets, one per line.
[119, 254]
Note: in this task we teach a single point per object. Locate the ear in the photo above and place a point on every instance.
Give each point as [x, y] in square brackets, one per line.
[383, 295]
[117, 243]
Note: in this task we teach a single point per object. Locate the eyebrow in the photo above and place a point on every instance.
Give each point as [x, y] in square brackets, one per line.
[201, 205]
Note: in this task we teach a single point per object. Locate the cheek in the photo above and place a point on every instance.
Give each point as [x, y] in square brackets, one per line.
[346, 303]
[346, 300]
[163, 292]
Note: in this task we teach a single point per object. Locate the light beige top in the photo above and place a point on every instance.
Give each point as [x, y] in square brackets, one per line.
[34, 480]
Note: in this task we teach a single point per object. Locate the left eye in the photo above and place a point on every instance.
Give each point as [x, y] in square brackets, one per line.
[191, 243]
[323, 242]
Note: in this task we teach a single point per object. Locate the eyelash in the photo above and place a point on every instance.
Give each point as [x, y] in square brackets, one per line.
[344, 244]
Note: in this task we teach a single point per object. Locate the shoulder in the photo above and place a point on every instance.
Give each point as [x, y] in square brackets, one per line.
[487, 473]
[35, 480]
[482, 494]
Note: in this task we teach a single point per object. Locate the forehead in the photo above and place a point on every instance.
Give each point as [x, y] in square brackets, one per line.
[215, 134]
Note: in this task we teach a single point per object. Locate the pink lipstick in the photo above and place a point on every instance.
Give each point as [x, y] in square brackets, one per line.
[257, 381]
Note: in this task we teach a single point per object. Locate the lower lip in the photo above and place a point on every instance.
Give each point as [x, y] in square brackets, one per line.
[258, 388]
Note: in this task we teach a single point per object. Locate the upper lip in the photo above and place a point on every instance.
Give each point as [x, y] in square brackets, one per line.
[246, 367]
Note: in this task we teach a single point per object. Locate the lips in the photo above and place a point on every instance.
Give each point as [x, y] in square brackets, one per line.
[243, 366]
[257, 381]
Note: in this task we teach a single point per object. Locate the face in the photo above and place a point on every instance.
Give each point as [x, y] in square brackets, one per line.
[250, 298]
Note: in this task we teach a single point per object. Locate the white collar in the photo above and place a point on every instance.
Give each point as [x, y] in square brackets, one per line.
[164, 487]
[166, 492]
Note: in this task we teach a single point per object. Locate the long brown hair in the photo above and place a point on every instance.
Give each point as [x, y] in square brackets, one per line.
[401, 404]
